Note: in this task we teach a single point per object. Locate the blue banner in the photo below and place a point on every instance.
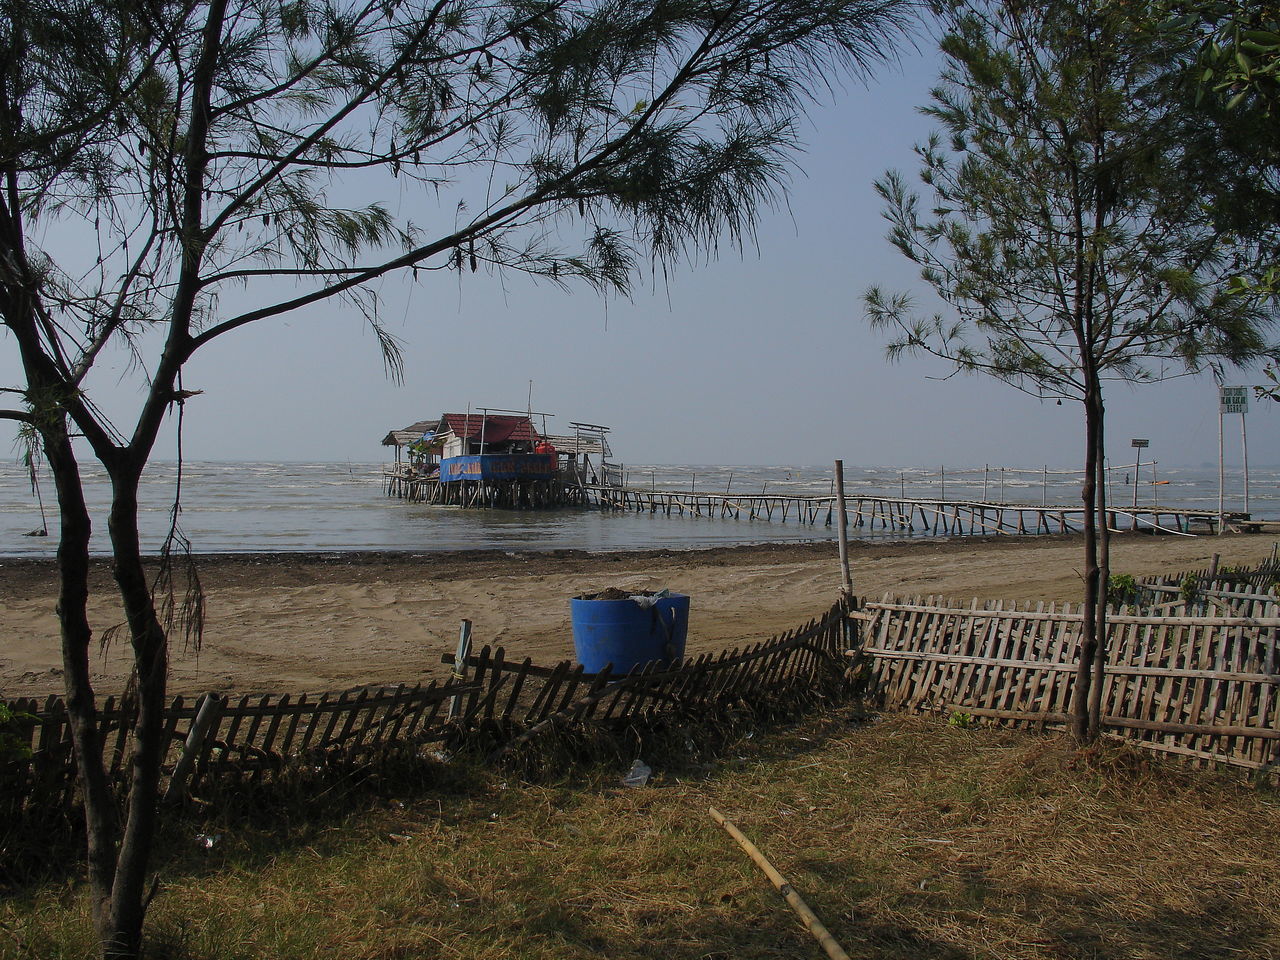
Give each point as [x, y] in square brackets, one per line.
[498, 466]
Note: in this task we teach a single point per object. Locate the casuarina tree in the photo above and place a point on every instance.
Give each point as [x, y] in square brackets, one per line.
[1236, 79]
[1062, 238]
[210, 153]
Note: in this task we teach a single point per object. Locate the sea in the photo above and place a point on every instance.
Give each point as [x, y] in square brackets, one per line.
[264, 507]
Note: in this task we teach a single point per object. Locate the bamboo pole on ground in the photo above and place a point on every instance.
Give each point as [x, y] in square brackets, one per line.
[810, 919]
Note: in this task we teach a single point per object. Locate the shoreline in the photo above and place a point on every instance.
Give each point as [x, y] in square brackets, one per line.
[332, 620]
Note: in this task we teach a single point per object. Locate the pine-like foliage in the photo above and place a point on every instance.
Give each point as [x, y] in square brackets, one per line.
[1064, 234]
[1059, 226]
[172, 170]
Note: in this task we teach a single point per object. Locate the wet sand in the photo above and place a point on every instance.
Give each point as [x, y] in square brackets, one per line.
[287, 623]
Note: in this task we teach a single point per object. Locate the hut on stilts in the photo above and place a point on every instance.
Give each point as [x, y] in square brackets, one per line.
[494, 458]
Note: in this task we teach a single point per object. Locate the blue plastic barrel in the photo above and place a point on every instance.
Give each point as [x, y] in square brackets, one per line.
[625, 634]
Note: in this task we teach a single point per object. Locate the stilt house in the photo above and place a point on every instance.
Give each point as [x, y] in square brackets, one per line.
[495, 459]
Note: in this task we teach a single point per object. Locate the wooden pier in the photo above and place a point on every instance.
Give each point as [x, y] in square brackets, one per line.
[906, 515]
[897, 514]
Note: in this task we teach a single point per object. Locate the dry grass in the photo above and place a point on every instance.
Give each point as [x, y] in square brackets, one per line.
[910, 838]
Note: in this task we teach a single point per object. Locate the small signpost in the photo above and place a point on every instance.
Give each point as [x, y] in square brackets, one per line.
[1139, 444]
[1232, 400]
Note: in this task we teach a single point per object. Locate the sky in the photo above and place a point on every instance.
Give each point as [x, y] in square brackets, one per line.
[758, 357]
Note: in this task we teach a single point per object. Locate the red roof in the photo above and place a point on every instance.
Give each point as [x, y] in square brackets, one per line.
[497, 428]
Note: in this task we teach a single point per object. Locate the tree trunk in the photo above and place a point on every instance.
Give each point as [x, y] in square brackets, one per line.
[82, 714]
[1098, 687]
[150, 651]
[1083, 725]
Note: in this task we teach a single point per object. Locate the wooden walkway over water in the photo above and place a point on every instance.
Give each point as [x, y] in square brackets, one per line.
[900, 514]
[868, 512]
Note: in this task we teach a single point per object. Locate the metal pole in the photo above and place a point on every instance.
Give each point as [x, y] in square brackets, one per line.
[1137, 466]
[1220, 470]
[1044, 487]
[1244, 443]
[846, 580]
[944, 483]
[986, 468]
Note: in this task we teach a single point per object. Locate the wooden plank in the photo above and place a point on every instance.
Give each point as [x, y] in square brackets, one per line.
[334, 711]
[543, 701]
[1027, 688]
[352, 713]
[517, 686]
[277, 716]
[250, 736]
[594, 695]
[482, 667]
[431, 703]
[574, 681]
[397, 713]
[117, 714]
[295, 716]
[237, 715]
[495, 681]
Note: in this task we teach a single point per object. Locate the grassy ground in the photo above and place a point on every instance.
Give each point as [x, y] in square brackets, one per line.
[910, 838]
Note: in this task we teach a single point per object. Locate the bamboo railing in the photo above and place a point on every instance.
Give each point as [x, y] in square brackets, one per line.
[1199, 680]
[489, 698]
[1197, 686]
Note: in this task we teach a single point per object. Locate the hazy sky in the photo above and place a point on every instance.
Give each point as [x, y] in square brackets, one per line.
[761, 358]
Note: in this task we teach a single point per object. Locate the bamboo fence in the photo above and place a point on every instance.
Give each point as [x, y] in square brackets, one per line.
[489, 698]
[1191, 675]
[212, 735]
[1202, 687]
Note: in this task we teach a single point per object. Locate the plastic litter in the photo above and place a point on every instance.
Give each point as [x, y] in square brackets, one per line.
[207, 840]
[638, 775]
[646, 600]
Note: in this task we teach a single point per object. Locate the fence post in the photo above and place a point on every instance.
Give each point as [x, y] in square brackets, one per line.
[846, 581]
[206, 715]
[460, 665]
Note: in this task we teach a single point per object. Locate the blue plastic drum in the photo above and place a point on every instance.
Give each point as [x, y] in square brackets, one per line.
[626, 634]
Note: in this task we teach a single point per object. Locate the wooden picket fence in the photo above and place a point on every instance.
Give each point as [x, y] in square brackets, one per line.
[520, 698]
[256, 736]
[1196, 679]
[489, 698]
[1203, 687]
[1245, 592]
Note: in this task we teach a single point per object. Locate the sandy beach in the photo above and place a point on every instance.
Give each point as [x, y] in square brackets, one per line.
[289, 623]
